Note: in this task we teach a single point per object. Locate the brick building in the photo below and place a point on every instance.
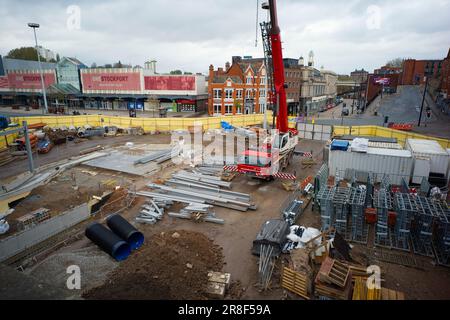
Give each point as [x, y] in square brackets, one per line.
[445, 79]
[240, 88]
[414, 71]
[293, 77]
[359, 76]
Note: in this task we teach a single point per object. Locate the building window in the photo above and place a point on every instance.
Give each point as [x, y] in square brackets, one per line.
[228, 93]
[261, 107]
[217, 93]
[217, 109]
[248, 94]
[239, 94]
[249, 80]
[262, 93]
[228, 109]
[263, 80]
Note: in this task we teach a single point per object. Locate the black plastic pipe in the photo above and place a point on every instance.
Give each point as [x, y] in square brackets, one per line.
[108, 241]
[126, 231]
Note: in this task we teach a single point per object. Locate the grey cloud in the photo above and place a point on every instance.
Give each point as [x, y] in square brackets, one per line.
[190, 35]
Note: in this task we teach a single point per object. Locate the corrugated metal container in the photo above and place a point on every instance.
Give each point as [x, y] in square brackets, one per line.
[422, 168]
[430, 149]
[396, 163]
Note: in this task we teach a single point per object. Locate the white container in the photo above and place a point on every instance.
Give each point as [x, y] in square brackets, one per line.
[422, 168]
[430, 149]
[397, 164]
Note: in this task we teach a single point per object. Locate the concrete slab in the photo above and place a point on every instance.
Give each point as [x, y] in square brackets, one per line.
[123, 161]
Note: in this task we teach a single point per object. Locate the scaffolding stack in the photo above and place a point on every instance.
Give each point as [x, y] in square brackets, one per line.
[442, 239]
[407, 208]
[357, 202]
[341, 199]
[383, 204]
[422, 229]
[325, 198]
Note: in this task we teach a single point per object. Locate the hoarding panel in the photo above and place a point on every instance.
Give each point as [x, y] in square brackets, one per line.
[4, 83]
[30, 80]
[101, 81]
[170, 83]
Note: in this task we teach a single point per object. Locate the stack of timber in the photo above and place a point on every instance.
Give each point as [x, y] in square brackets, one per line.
[334, 280]
[296, 277]
[362, 291]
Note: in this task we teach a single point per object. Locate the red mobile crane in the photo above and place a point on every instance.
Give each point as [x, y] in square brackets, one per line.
[277, 153]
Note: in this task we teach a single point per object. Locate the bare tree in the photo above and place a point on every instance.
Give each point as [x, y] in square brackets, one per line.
[396, 63]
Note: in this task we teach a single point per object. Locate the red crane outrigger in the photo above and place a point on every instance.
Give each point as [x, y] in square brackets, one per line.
[276, 154]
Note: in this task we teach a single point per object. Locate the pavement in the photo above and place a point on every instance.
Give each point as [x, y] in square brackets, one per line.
[402, 107]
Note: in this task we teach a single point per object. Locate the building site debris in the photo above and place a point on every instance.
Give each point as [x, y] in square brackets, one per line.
[4, 226]
[297, 275]
[6, 157]
[152, 211]
[361, 291]
[268, 246]
[197, 213]
[91, 150]
[333, 280]
[334, 272]
[33, 218]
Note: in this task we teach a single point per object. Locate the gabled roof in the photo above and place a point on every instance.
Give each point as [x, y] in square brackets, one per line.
[224, 78]
[75, 61]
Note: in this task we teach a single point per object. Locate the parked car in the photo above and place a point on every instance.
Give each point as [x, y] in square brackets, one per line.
[345, 112]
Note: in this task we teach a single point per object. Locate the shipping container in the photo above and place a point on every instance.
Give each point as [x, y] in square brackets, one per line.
[397, 164]
[422, 168]
[430, 149]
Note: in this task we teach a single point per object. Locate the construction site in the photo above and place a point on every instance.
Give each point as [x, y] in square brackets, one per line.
[213, 230]
[96, 207]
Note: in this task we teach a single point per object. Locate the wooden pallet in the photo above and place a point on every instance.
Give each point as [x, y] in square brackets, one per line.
[388, 294]
[332, 291]
[334, 272]
[362, 292]
[295, 282]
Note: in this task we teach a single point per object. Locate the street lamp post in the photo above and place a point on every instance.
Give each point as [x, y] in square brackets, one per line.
[423, 100]
[34, 26]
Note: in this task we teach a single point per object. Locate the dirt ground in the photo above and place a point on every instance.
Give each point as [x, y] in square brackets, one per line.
[234, 239]
[173, 265]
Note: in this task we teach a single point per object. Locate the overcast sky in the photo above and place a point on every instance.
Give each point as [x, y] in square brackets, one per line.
[192, 34]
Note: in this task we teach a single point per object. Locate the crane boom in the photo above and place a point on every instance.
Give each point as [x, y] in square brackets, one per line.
[278, 69]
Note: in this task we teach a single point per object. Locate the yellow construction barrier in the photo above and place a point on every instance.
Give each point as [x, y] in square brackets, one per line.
[148, 124]
[376, 131]
[172, 124]
[6, 140]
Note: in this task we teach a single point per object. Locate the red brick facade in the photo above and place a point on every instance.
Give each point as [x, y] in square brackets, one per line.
[414, 71]
[445, 84]
[239, 89]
